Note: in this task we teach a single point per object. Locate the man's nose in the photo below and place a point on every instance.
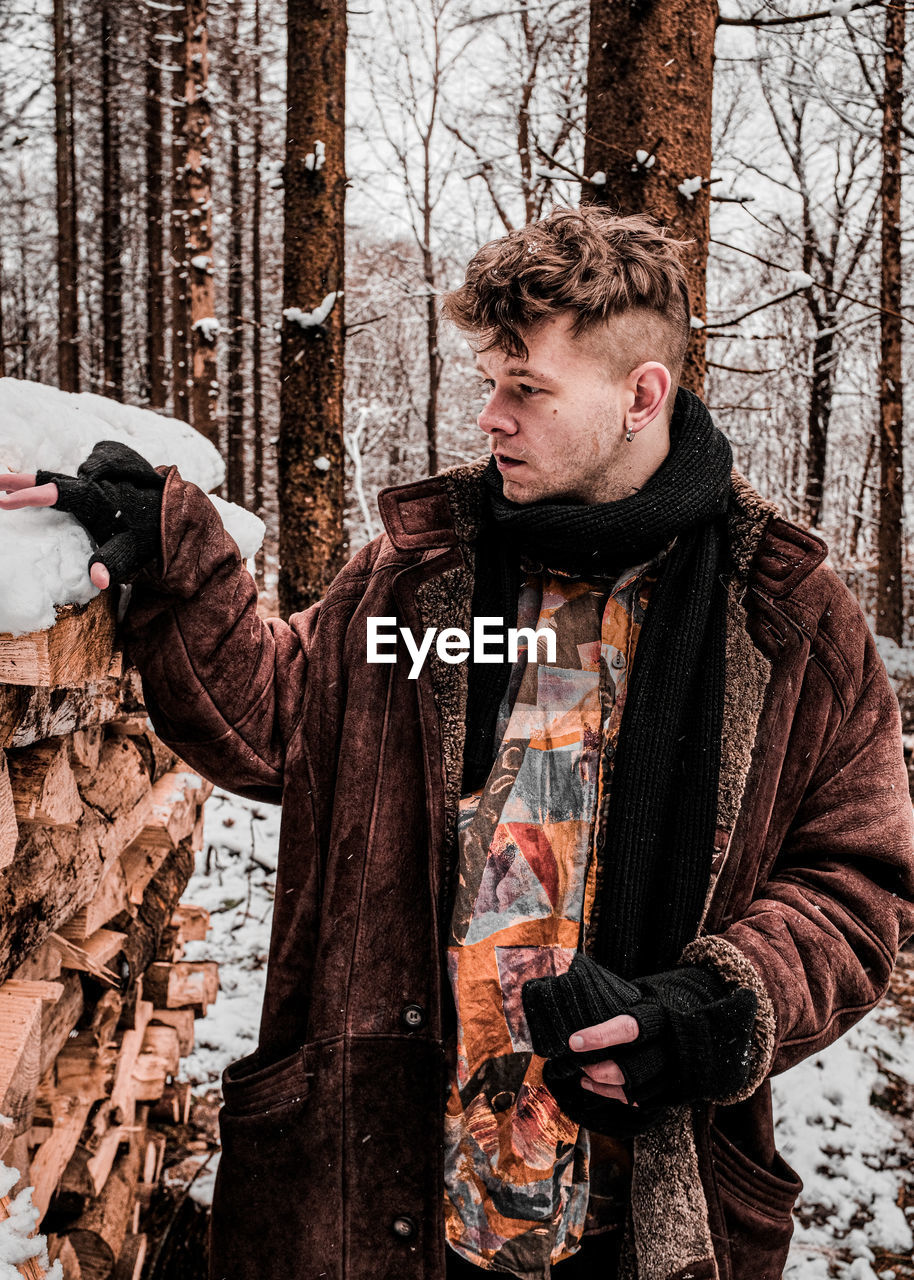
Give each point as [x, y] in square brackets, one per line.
[495, 417]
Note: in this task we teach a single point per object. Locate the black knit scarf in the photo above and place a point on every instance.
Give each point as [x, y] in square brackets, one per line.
[662, 805]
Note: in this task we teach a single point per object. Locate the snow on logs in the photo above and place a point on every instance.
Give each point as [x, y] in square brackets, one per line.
[99, 822]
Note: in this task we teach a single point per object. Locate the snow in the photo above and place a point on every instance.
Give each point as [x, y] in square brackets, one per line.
[45, 552]
[899, 662]
[690, 187]
[315, 159]
[696, 322]
[201, 261]
[322, 463]
[309, 319]
[17, 1244]
[800, 280]
[645, 159]
[234, 880]
[847, 1150]
[598, 178]
[840, 10]
[208, 326]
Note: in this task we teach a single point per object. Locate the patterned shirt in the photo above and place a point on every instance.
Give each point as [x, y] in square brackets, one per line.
[517, 1170]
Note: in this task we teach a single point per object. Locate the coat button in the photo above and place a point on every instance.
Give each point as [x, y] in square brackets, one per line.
[404, 1228]
[412, 1016]
[618, 661]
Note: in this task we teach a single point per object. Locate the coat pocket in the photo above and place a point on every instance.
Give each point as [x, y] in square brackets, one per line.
[249, 1089]
[275, 1195]
[756, 1204]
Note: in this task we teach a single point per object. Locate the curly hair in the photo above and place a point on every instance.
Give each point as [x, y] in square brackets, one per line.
[588, 261]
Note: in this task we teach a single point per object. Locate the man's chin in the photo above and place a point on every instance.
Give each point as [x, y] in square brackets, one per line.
[529, 491]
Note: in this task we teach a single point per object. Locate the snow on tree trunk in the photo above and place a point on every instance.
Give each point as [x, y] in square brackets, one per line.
[67, 256]
[156, 372]
[889, 583]
[648, 127]
[111, 229]
[311, 536]
[197, 128]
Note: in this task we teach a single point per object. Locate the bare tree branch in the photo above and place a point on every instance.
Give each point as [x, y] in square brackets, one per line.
[725, 21]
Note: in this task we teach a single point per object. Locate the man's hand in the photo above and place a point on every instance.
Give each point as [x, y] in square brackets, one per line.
[116, 495]
[665, 1039]
[26, 493]
[605, 1078]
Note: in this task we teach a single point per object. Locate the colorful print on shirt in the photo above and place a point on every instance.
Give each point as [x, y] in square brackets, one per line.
[516, 1168]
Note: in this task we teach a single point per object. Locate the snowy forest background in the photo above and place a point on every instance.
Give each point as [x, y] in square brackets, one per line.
[161, 243]
[142, 159]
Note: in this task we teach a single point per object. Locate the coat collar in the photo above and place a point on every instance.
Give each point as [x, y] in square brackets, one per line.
[446, 509]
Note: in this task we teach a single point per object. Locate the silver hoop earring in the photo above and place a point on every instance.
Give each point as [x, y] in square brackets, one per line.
[629, 435]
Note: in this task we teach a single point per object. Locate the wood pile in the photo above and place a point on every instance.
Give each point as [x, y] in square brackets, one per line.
[99, 822]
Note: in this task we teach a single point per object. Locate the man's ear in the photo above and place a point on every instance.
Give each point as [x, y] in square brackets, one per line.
[650, 386]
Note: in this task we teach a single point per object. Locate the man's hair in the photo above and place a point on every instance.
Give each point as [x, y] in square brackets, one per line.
[588, 261]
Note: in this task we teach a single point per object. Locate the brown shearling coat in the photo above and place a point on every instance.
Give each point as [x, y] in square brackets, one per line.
[332, 1132]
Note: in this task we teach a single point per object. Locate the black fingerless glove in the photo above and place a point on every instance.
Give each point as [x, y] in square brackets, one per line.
[117, 497]
[694, 1039]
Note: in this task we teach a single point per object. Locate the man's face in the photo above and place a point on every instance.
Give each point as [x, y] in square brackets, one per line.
[556, 421]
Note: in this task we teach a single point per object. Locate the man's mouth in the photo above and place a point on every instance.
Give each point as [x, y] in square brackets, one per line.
[504, 463]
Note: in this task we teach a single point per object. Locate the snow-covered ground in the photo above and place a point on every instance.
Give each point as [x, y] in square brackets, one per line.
[833, 1126]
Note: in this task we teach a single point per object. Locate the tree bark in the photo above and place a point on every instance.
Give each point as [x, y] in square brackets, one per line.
[257, 424]
[235, 485]
[198, 125]
[889, 580]
[112, 275]
[180, 304]
[819, 415]
[156, 369]
[649, 83]
[67, 251]
[311, 537]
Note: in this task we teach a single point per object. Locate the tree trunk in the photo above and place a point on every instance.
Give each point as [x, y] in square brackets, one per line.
[853, 550]
[889, 581]
[2, 329]
[235, 486]
[257, 424]
[819, 417]
[180, 308]
[156, 370]
[67, 254]
[649, 82]
[311, 537]
[112, 277]
[198, 125]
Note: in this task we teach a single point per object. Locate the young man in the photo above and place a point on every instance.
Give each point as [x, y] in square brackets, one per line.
[544, 926]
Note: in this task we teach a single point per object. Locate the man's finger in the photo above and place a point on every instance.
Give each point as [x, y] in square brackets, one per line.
[100, 576]
[604, 1090]
[607, 1072]
[620, 1030]
[42, 495]
[17, 480]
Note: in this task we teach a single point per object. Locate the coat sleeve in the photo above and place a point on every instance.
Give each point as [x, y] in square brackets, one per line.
[818, 942]
[223, 687]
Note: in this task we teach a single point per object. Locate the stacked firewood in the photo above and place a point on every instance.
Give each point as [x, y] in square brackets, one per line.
[99, 822]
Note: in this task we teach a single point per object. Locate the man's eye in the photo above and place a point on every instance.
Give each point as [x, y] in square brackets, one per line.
[530, 391]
